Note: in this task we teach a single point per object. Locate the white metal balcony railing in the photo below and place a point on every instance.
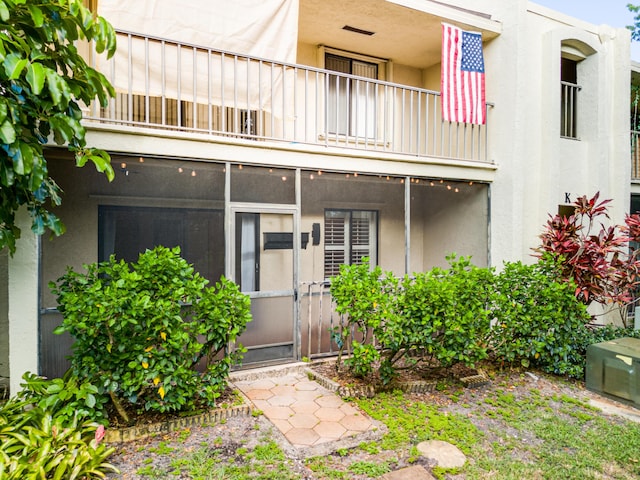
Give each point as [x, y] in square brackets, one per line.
[176, 86]
[569, 102]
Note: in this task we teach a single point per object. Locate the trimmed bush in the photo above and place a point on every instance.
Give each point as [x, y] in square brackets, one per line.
[152, 334]
[444, 312]
[439, 317]
[538, 320]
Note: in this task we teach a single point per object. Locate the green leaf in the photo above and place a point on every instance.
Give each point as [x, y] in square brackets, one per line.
[7, 176]
[58, 87]
[4, 11]
[13, 65]
[36, 77]
[7, 132]
[55, 387]
[59, 330]
[26, 155]
[36, 16]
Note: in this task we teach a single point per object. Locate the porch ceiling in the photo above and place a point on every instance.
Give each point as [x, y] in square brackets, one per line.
[405, 31]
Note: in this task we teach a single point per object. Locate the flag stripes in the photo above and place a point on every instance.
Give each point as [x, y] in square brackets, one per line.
[462, 78]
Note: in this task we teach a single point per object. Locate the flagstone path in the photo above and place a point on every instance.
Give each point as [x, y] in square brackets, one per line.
[306, 413]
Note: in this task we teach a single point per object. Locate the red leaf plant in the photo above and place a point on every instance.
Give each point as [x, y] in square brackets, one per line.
[596, 257]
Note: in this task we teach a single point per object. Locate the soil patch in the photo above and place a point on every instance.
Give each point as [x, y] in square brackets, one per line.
[138, 416]
[420, 379]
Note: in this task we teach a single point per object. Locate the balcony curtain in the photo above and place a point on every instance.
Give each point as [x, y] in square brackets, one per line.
[262, 28]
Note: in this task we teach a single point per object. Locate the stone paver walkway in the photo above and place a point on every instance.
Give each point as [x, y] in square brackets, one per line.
[305, 412]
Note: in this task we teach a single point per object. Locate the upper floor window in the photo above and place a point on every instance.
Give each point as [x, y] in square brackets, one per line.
[576, 70]
[569, 98]
[351, 102]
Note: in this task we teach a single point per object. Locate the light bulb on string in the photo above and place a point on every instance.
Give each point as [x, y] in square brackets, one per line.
[180, 170]
[193, 173]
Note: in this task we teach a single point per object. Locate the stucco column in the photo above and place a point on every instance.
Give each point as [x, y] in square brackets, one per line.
[23, 304]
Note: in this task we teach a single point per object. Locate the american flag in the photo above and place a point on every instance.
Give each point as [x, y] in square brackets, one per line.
[462, 78]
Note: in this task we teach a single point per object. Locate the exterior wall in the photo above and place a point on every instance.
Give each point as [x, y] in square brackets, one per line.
[4, 313]
[536, 167]
[23, 304]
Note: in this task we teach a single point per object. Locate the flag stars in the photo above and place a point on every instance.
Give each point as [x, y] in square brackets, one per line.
[472, 60]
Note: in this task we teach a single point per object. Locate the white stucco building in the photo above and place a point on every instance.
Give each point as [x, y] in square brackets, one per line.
[275, 139]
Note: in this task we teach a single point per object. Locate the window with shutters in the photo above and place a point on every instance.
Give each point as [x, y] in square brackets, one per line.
[349, 236]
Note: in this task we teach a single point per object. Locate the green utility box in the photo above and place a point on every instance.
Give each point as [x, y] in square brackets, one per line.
[613, 368]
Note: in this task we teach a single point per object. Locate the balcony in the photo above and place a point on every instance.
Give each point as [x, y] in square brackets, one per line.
[172, 86]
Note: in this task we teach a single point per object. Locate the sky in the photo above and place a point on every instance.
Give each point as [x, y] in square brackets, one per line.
[612, 12]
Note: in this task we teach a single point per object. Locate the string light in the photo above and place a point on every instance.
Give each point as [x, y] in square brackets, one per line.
[319, 172]
[240, 167]
[180, 170]
[470, 183]
[431, 183]
[417, 180]
[193, 173]
[311, 177]
[346, 176]
[402, 180]
[456, 190]
[355, 174]
[123, 165]
[448, 187]
[284, 179]
[141, 159]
